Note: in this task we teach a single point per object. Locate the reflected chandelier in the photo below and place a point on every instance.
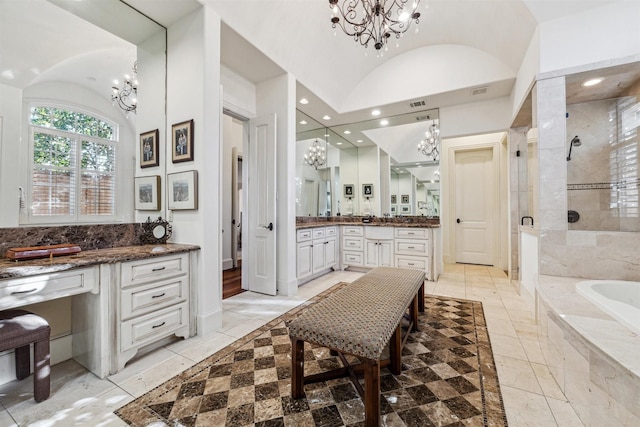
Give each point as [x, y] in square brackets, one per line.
[315, 155]
[374, 21]
[429, 146]
[127, 96]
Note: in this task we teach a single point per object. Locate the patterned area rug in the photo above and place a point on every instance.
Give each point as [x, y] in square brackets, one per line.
[448, 379]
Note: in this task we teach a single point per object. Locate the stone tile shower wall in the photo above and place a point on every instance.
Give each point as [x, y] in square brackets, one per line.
[564, 252]
[602, 175]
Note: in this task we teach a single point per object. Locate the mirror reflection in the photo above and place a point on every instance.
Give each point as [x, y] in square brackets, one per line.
[371, 167]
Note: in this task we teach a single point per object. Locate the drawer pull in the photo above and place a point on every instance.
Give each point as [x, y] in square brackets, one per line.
[158, 269]
[157, 326]
[410, 263]
[411, 247]
[158, 296]
[24, 292]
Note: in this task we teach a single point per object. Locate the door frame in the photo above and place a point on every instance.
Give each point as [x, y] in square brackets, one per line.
[451, 214]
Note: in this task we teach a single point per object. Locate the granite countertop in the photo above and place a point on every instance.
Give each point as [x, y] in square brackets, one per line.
[375, 222]
[10, 269]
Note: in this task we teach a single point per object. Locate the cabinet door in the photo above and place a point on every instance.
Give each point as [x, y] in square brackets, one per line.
[330, 253]
[304, 259]
[370, 253]
[385, 253]
[318, 255]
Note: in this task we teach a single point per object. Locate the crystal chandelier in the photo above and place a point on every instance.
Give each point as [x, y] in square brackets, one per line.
[127, 96]
[374, 21]
[315, 155]
[429, 146]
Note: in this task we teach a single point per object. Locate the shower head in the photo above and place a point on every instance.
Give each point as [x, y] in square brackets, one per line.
[575, 142]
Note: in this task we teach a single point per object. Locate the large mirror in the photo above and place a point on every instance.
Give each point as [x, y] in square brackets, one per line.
[371, 167]
[69, 53]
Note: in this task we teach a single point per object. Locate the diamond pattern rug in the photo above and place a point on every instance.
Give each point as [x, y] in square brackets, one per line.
[448, 378]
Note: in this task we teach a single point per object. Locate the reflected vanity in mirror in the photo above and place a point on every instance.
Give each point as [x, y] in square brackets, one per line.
[379, 153]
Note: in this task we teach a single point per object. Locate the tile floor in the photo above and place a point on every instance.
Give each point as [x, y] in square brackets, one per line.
[531, 396]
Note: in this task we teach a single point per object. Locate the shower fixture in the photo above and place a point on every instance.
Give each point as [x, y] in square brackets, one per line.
[575, 142]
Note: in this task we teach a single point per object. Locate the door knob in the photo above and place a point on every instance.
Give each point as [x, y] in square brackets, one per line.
[269, 227]
[458, 221]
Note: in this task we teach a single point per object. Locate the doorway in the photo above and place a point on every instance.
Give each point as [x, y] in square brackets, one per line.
[234, 133]
[475, 195]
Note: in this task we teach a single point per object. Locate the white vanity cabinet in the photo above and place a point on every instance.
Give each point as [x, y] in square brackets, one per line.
[316, 251]
[414, 248]
[153, 303]
[353, 245]
[378, 247]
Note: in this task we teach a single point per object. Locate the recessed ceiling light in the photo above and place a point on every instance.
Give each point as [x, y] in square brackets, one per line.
[326, 117]
[338, 143]
[384, 122]
[304, 101]
[358, 140]
[347, 132]
[592, 82]
[326, 135]
[303, 122]
[375, 113]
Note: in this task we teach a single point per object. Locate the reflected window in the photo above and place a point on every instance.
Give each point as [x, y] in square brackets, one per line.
[73, 166]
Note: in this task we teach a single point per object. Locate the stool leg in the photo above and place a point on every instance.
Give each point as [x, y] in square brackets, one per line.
[371, 393]
[22, 355]
[297, 368]
[41, 371]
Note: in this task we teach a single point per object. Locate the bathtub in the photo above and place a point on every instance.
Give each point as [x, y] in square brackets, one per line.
[619, 299]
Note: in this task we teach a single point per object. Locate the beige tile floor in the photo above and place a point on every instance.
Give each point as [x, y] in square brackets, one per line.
[530, 394]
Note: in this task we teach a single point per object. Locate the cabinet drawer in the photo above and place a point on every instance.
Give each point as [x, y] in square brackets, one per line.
[353, 230]
[147, 270]
[146, 329]
[330, 231]
[412, 233]
[29, 290]
[154, 296]
[303, 235]
[412, 247]
[318, 233]
[352, 258]
[352, 243]
[419, 263]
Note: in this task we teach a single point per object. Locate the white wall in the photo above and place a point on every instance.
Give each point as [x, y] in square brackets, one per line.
[475, 118]
[369, 173]
[11, 158]
[193, 92]
[239, 93]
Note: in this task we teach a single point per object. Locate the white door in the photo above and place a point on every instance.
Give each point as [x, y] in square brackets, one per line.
[261, 205]
[474, 196]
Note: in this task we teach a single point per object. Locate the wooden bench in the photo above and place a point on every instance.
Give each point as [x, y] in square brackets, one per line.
[360, 320]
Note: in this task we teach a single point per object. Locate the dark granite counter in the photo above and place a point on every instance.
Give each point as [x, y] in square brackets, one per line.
[10, 269]
[404, 221]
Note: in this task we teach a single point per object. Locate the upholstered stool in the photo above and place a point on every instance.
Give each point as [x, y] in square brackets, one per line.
[19, 329]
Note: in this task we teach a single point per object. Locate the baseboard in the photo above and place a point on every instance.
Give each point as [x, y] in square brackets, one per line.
[227, 264]
[60, 350]
[212, 322]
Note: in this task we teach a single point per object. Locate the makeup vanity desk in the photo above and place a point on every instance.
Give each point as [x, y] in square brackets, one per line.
[123, 298]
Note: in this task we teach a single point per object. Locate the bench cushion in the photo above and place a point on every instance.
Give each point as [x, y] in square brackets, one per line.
[360, 318]
[20, 327]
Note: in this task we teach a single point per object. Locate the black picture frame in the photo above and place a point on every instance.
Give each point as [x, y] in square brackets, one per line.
[367, 190]
[348, 190]
[182, 142]
[149, 149]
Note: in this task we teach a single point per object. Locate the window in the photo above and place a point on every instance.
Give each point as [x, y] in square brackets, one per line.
[73, 167]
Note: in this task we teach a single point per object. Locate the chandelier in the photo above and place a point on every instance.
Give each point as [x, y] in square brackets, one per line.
[315, 155]
[127, 96]
[374, 21]
[429, 146]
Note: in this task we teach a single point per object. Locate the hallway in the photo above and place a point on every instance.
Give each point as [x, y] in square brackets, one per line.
[531, 396]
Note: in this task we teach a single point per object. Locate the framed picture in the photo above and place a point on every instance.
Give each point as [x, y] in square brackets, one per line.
[182, 142]
[404, 199]
[348, 190]
[147, 193]
[405, 209]
[183, 190]
[394, 199]
[394, 209]
[149, 153]
[367, 190]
